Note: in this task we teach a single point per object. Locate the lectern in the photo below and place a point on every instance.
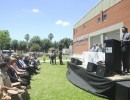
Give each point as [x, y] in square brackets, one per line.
[113, 55]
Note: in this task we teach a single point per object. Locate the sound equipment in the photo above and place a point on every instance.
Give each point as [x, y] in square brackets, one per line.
[103, 71]
[76, 61]
[72, 60]
[91, 67]
[113, 55]
[122, 90]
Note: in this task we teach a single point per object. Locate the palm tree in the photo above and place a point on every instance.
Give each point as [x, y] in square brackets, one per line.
[27, 37]
[50, 36]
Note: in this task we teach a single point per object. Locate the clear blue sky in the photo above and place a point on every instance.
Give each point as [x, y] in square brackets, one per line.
[41, 17]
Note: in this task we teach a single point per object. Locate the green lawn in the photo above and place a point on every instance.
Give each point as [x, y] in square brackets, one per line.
[52, 84]
[63, 57]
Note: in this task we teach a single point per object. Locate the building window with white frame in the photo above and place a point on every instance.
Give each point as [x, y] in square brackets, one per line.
[84, 27]
[99, 19]
[105, 17]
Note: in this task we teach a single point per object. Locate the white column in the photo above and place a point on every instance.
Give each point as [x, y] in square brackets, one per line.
[101, 39]
[121, 34]
[89, 42]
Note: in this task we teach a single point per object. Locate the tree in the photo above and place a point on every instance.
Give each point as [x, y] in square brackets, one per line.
[46, 44]
[27, 37]
[35, 47]
[50, 36]
[35, 39]
[55, 45]
[65, 42]
[22, 45]
[4, 39]
[14, 44]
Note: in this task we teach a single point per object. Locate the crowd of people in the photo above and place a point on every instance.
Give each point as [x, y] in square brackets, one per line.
[15, 76]
[16, 71]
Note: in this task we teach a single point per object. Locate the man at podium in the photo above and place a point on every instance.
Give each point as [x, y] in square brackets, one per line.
[125, 48]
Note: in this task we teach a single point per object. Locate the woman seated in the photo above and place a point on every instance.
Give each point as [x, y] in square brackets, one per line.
[3, 95]
[20, 72]
[7, 83]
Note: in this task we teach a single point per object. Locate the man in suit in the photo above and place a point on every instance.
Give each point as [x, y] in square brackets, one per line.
[125, 49]
[60, 57]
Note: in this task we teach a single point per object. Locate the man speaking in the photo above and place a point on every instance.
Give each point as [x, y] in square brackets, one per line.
[125, 45]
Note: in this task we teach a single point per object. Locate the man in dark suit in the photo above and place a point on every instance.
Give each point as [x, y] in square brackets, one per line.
[125, 49]
[60, 57]
[15, 78]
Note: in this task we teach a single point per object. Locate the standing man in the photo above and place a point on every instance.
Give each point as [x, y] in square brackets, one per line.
[125, 45]
[60, 57]
[55, 57]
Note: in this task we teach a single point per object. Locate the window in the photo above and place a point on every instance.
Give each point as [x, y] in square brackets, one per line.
[99, 19]
[105, 17]
[84, 27]
[75, 31]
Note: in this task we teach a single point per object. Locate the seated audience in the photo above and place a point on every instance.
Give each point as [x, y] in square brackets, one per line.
[7, 83]
[93, 49]
[3, 95]
[100, 49]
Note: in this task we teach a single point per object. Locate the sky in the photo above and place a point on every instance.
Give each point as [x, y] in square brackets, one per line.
[41, 17]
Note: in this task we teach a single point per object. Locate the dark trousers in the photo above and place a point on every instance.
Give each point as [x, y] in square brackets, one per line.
[55, 60]
[125, 61]
[51, 60]
[61, 63]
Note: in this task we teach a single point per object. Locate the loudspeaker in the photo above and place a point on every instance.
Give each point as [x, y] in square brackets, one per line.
[102, 71]
[72, 60]
[122, 90]
[77, 62]
[91, 67]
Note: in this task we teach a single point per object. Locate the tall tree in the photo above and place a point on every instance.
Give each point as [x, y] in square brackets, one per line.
[14, 44]
[50, 36]
[22, 45]
[46, 44]
[4, 39]
[27, 37]
[35, 40]
[35, 47]
[55, 45]
[65, 42]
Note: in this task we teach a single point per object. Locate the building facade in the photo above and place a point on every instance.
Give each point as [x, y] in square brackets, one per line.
[103, 22]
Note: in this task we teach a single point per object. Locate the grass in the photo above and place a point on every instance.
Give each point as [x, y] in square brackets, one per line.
[47, 58]
[52, 84]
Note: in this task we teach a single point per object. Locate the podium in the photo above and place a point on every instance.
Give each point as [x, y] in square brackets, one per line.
[113, 55]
